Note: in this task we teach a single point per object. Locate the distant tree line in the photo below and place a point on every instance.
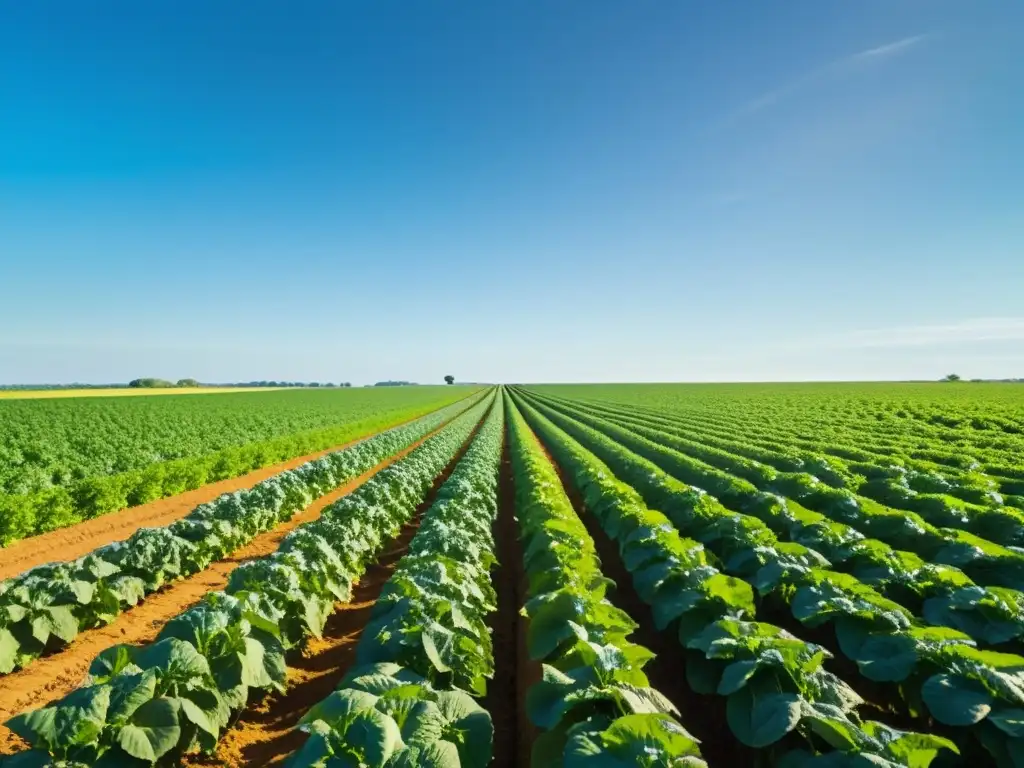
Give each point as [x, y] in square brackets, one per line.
[283, 384]
[952, 378]
[151, 383]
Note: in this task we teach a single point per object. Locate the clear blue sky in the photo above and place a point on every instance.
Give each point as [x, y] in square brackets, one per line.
[513, 191]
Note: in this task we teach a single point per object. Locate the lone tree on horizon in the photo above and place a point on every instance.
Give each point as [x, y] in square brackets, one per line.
[951, 377]
[449, 379]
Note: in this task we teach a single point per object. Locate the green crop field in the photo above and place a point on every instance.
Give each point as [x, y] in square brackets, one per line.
[47, 394]
[590, 576]
[64, 460]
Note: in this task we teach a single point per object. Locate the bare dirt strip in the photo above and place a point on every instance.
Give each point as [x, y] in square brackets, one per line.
[82, 538]
[55, 676]
[514, 673]
[265, 733]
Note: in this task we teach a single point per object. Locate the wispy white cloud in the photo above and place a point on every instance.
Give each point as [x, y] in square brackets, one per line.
[889, 49]
[961, 332]
[829, 71]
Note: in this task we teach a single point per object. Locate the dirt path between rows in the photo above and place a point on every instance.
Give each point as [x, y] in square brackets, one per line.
[82, 538]
[514, 673]
[55, 676]
[265, 733]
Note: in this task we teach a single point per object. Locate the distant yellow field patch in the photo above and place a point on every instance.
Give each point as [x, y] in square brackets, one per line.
[35, 394]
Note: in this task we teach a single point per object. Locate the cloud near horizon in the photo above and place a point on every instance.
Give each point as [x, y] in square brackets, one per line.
[971, 330]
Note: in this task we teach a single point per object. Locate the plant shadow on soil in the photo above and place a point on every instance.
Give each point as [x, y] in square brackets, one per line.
[514, 672]
[265, 732]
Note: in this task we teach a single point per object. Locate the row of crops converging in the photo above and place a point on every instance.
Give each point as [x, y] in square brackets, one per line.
[588, 584]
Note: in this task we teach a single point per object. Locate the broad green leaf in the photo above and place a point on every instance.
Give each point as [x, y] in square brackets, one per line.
[468, 726]
[642, 699]
[128, 693]
[177, 658]
[833, 726]
[153, 731]
[546, 699]
[316, 749]
[703, 675]
[759, 721]
[198, 716]
[423, 722]
[675, 601]
[736, 675]
[887, 658]
[56, 620]
[439, 645]
[439, 754]
[1009, 720]
[635, 739]
[254, 672]
[380, 678]
[375, 735]
[8, 651]
[734, 593]
[339, 706]
[112, 661]
[955, 700]
[918, 750]
[76, 720]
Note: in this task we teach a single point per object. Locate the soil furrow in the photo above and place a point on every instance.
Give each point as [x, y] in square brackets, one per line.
[514, 673]
[57, 675]
[265, 732]
[82, 538]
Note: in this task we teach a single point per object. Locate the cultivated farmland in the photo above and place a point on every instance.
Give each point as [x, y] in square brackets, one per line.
[791, 576]
[67, 460]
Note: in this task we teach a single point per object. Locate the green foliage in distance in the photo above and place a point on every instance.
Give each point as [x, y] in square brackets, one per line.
[67, 460]
[46, 607]
[177, 694]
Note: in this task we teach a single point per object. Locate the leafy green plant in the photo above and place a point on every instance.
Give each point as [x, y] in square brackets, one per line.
[592, 674]
[901, 651]
[185, 686]
[773, 682]
[47, 606]
[66, 460]
[427, 645]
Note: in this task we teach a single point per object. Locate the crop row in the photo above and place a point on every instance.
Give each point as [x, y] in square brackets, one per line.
[923, 460]
[773, 683]
[889, 442]
[177, 694]
[932, 669]
[64, 461]
[980, 559]
[594, 704]
[48, 606]
[928, 581]
[877, 426]
[407, 701]
[1001, 526]
[943, 495]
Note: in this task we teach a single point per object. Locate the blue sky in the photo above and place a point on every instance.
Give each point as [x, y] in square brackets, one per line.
[569, 191]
